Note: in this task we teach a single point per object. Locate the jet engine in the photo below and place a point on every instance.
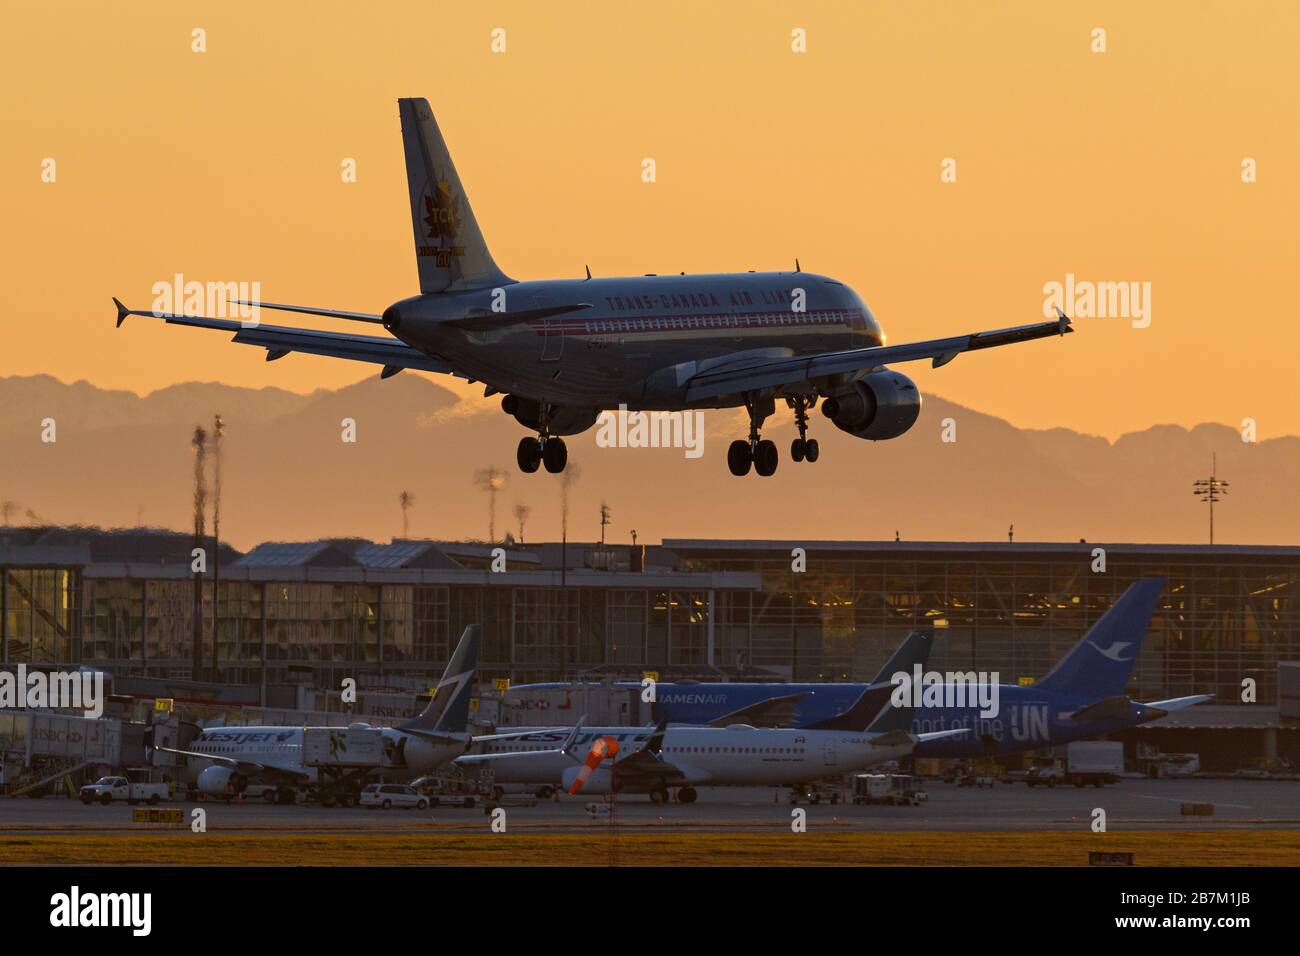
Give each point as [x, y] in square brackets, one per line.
[877, 406]
[220, 782]
[564, 420]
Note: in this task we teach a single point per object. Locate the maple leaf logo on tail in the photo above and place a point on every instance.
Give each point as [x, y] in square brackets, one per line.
[442, 211]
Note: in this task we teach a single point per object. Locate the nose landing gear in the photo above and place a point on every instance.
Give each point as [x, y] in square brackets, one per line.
[546, 449]
[803, 448]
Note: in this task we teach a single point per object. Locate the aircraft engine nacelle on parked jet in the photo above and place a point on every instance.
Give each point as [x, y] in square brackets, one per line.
[220, 782]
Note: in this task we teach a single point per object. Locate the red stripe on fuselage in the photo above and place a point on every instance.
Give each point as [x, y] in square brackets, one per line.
[699, 322]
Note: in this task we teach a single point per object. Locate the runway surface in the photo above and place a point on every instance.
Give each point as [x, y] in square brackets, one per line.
[1131, 804]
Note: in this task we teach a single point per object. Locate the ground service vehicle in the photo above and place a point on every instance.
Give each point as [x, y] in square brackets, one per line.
[107, 789]
[451, 790]
[893, 789]
[1096, 762]
[389, 795]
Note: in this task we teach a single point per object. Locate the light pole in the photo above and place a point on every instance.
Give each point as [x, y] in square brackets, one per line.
[1210, 490]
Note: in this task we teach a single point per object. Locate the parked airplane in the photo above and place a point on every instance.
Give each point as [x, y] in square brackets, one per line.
[561, 351]
[229, 758]
[1081, 698]
[644, 760]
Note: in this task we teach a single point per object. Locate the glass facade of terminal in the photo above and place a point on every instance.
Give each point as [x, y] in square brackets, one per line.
[332, 630]
[1225, 616]
[40, 614]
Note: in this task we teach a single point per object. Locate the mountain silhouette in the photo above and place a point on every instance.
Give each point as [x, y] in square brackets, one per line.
[120, 459]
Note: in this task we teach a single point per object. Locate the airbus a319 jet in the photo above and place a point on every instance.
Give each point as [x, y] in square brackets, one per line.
[561, 351]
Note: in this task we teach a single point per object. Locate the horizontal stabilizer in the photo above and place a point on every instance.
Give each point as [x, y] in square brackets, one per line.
[280, 340]
[1111, 708]
[309, 310]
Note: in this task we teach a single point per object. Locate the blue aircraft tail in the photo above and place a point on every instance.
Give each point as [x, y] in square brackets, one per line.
[1101, 663]
[873, 711]
[448, 708]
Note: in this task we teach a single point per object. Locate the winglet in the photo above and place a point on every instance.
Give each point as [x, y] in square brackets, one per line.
[572, 738]
[656, 741]
[122, 311]
[1063, 321]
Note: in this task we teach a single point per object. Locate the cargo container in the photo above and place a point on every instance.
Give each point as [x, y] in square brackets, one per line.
[342, 747]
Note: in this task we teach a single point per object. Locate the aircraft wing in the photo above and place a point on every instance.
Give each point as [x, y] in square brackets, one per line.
[774, 372]
[279, 340]
[1178, 703]
[897, 738]
[647, 763]
[643, 765]
[240, 766]
[772, 712]
[941, 734]
[488, 758]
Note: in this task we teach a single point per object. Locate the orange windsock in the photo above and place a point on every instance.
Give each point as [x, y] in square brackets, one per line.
[601, 748]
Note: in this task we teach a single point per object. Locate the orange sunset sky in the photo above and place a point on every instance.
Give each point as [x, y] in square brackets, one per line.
[1116, 166]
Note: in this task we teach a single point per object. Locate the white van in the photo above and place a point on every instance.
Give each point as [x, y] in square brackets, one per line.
[389, 795]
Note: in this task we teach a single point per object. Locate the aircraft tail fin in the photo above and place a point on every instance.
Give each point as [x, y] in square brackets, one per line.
[1100, 665]
[449, 247]
[448, 708]
[873, 710]
[915, 649]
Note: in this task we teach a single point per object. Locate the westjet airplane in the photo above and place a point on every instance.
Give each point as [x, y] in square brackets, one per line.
[604, 760]
[561, 351]
[1082, 697]
[229, 758]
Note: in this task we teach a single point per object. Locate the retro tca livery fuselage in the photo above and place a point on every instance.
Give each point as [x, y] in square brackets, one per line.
[560, 352]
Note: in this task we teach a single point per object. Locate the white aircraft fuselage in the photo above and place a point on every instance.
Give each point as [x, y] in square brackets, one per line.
[738, 755]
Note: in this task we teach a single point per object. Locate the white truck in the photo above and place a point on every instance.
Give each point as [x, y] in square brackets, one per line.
[107, 789]
[894, 789]
[1096, 762]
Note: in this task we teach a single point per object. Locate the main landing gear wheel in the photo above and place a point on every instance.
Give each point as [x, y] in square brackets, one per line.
[659, 796]
[529, 455]
[739, 458]
[687, 795]
[804, 449]
[554, 455]
[757, 451]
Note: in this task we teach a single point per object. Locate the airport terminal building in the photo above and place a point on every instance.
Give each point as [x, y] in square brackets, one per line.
[313, 613]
